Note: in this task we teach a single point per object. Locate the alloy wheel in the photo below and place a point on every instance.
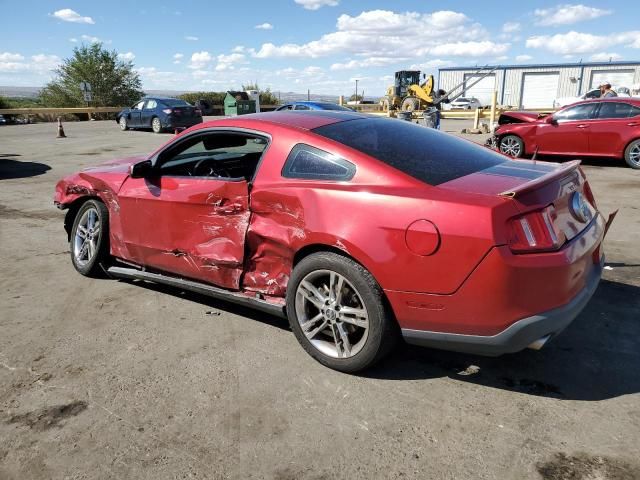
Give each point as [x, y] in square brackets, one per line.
[634, 154]
[332, 314]
[155, 124]
[510, 146]
[86, 237]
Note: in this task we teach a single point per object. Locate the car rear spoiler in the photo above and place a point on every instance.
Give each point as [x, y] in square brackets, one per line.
[561, 171]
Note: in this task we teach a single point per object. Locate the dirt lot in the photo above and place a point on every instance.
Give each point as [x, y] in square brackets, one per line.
[109, 379]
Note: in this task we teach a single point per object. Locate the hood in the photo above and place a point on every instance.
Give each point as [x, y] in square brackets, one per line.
[120, 165]
[518, 117]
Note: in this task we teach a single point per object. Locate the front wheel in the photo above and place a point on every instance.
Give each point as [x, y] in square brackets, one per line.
[410, 104]
[123, 124]
[156, 125]
[337, 312]
[511, 145]
[89, 243]
[632, 154]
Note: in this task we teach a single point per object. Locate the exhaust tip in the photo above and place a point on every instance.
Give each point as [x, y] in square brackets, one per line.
[538, 344]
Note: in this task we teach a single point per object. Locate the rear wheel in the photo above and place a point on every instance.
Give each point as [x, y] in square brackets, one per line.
[632, 154]
[385, 104]
[511, 145]
[89, 242]
[337, 312]
[410, 104]
[156, 125]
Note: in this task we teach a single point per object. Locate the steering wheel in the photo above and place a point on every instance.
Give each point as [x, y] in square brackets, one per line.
[210, 173]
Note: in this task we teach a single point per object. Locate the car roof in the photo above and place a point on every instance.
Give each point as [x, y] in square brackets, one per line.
[301, 119]
[632, 100]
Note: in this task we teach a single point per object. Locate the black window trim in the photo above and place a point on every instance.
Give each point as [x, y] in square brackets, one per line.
[286, 168]
[233, 130]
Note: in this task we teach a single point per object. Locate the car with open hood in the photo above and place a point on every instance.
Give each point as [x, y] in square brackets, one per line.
[608, 127]
[358, 229]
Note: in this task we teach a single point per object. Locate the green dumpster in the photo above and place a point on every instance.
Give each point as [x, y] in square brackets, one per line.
[238, 103]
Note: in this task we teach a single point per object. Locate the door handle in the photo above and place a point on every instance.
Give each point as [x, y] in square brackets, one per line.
[633, 124]
[582, 126]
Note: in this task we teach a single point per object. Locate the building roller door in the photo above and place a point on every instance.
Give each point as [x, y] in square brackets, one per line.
[481, 90]
[539, 90]
[618, 78]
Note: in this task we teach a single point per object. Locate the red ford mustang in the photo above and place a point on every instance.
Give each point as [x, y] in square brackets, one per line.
[359, 229]
[595, 128]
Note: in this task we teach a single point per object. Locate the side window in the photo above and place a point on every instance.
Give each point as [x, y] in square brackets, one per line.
[151, 105]
[310, 163]
[139, 105]
[220, 155]
[302, 107]
[617, 110]
[579, 112]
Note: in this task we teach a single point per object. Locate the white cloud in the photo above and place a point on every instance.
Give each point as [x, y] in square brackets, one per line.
[316, 4]
[68, 15]
[367, 63]
[238, 49]
[523, 58]
[572, 43]
[567, 14]
[191, 38]
[227, 62]
[264, 26]
[73, 40]
[200, 60]
[381, 33]
[91, 39]
[430, 65]
[127, 57]
[40, 64]
[510, 27]
[10, 57]
[605, 57]
[177, 58]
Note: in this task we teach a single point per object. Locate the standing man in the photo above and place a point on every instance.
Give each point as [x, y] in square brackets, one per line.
[606, 92]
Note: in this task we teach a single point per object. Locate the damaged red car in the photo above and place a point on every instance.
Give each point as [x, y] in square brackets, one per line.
[609, 127]
[361, 230]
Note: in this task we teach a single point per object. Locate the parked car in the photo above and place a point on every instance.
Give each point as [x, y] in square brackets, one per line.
[359, 229]
[159, 114]
[3, 121]
[466, 103]
[607, 127]
[590, 95]
[312, 106]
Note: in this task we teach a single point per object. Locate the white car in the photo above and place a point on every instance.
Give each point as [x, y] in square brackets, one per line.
[466, 103]
[590, 95]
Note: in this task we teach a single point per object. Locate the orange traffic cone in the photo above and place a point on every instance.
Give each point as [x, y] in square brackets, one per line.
[60, 129]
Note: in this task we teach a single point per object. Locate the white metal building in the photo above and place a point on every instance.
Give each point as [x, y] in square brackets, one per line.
[536, 86]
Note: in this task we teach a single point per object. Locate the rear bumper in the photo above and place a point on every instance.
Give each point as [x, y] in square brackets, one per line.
[517, 336]
[181, 123]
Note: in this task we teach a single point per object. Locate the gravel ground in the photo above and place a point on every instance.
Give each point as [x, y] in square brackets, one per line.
[109, 379]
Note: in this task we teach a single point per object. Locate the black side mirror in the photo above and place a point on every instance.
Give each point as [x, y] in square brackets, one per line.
[141, 169]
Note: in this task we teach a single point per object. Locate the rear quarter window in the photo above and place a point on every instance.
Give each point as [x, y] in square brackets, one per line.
[423, 153]
[310, 163]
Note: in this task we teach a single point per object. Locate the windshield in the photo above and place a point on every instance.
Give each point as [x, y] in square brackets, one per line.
[174, 102]
[423, 153]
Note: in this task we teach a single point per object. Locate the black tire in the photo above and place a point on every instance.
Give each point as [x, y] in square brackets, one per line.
[96, 265]
[122, 121]
[156, 125]
[382, 333]
[632, 154]
[410, 104]
[511, 145]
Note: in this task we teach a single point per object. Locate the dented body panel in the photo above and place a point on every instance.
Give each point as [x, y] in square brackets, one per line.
[436, 251]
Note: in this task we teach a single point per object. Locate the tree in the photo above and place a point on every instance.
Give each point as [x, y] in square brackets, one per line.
[354, 98]
[266, 96]
[113, 81]
[4, 103]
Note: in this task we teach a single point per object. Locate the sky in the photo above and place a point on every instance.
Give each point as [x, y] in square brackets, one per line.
[320, 45]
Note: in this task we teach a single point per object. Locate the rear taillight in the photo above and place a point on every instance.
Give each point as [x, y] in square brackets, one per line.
[535, 232]
[168, 111]
[198, 111]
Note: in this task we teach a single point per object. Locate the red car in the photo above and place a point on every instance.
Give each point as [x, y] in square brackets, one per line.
[359, 229]
[595, 128]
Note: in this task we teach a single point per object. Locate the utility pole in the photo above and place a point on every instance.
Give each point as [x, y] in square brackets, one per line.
[308, 94]
[356, 91]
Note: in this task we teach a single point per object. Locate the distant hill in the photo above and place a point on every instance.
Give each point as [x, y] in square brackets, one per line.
[32, 92]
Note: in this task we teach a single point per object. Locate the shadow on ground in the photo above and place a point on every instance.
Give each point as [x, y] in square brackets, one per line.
[11, 167]
[596, 358]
